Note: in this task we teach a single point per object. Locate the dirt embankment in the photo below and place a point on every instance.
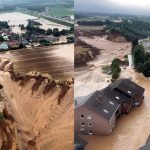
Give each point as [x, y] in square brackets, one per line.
[90, 32]
[38, 112]
[116, 37]
[84, 53]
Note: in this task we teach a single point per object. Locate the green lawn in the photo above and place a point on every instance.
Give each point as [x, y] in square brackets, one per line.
[61, 11]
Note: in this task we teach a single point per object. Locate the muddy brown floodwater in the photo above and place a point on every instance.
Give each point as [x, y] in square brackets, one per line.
[54, 60]
[131, 131]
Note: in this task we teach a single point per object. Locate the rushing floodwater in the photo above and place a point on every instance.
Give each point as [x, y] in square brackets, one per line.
[17, 18]
[55, 60]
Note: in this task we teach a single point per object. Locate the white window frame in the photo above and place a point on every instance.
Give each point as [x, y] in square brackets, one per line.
[89, 124]
[82, 117]
[89, 117]
[82, 124]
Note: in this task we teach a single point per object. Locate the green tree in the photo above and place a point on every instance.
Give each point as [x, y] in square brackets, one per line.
[64, 32]
[49, 32]
[115, 74]
[56, 32]
[1, 116]
[2, 39]
[135, 42]
[22, 27]
[139, 55]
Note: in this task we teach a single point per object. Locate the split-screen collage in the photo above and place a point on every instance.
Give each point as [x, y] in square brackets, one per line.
[74, 75]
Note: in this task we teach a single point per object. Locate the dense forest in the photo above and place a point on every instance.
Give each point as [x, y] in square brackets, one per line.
[32, 28]
[131, 30]
[141, 59]
[4, 25]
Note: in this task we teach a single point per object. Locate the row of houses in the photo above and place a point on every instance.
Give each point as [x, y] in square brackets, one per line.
[98, 112]
[14, 41]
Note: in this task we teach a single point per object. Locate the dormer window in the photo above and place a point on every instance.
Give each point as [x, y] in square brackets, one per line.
[117, 97]
[110, 102]
[106, 111]
[129, 92]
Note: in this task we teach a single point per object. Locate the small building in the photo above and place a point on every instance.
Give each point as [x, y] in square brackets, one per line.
[97, 114]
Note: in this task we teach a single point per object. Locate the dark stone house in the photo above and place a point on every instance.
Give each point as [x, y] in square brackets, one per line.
[97, 113]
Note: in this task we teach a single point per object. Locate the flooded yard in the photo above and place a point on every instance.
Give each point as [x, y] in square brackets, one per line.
[54, 60]
[16, 18]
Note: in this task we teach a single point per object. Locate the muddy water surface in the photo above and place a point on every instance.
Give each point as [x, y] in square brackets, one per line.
[131, 131]
[54, 60]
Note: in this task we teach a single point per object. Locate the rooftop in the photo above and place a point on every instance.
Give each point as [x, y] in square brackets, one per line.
[99, 103]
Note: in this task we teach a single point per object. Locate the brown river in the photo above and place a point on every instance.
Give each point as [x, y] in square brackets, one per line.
[54, 60]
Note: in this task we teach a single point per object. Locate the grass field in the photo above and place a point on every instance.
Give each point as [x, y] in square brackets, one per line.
[61, 11]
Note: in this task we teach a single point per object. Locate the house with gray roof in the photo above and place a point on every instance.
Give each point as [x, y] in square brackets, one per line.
[97, 114]
[130, 89]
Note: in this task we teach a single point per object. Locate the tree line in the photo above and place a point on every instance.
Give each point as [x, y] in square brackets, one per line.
[141, 58]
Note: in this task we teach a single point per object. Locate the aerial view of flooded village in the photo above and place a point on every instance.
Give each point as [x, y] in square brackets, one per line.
[112, 75]
[36, 74]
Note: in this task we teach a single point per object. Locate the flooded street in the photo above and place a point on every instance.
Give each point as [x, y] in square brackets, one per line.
[54, 60]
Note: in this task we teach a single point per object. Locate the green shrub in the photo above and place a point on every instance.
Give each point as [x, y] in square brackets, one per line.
[1, 116]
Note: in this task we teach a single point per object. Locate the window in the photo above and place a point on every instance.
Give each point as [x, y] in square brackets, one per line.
[89, 124]
[129, 92]
[117, 97]
[89, 117]
[82, 129]
[110, 102]
[106, 111]
[91, 132]
[82, 124]
[82, 116]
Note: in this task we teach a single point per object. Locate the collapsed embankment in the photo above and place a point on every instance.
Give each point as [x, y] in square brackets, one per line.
[38, 113]
[81, 58]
